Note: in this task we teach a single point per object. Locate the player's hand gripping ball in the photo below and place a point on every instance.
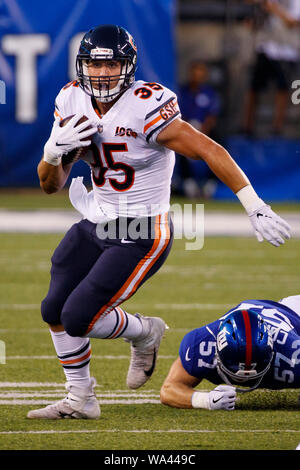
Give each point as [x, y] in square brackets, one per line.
[77, 153]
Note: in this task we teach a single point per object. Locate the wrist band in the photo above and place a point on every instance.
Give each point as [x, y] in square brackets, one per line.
[249, 199]
[200, 400]
[50, 159]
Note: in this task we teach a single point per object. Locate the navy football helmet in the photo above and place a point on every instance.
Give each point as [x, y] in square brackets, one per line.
[244, 348]
[106, 42]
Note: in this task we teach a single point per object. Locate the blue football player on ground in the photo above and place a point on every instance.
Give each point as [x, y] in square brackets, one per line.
[127, 131]
[254, 345]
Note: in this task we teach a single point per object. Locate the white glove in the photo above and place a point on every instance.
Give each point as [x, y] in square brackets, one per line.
[269, 226]
[222, 398]
[64, 139]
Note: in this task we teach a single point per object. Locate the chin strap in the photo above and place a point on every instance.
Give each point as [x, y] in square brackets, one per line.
[246, 390]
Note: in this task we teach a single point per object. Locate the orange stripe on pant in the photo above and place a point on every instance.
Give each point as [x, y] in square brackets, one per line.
[157, 256]
[138, 268]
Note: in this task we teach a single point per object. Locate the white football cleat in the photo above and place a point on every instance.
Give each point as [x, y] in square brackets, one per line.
[144, 351]
[80, 403]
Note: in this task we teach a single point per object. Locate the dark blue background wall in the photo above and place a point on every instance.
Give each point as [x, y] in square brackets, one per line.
[58, 22]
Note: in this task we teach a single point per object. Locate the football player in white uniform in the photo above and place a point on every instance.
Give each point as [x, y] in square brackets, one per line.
[127, 131]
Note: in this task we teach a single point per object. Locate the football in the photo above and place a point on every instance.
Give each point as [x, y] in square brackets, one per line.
[77, 153]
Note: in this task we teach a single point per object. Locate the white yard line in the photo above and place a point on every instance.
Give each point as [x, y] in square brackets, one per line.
[60, 393]
[154, 431]
[43, 330]
[141, 401]
[54, 384]
[32, 396]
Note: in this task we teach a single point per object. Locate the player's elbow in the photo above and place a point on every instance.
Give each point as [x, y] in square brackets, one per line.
[49, 188]
[292, 23]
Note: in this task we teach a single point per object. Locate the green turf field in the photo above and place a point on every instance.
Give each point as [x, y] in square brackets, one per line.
[191, 289]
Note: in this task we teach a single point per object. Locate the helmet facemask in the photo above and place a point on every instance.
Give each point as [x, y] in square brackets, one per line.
[242, 377]
[102, 88]
[107, 43]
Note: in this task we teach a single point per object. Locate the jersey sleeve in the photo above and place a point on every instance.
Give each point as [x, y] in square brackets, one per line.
[162, 109]
[294, 9]
[187, 353]
[63, 100]
[58, 110]
[197, 352]
[59, 106]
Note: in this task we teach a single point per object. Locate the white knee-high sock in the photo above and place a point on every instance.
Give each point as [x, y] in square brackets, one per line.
[117, 324]
[74, 355]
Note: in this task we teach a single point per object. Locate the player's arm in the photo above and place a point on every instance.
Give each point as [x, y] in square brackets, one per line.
[186, 140]
[53, 178]
[178, 387]
[52, 172]
[278, 10]
[178, 391]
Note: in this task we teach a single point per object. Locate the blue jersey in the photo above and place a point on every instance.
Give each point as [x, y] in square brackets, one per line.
[198, 105]
[198, 348]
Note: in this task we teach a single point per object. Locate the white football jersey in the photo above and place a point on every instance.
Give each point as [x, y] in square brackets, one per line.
[130, 172]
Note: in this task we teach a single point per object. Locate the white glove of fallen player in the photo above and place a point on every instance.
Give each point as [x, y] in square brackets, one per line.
[269, 226]
[222, 397]
[64, 139]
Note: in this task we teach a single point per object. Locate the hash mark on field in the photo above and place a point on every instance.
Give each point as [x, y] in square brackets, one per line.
[54, 384]
[60, 394]
[46, 396]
